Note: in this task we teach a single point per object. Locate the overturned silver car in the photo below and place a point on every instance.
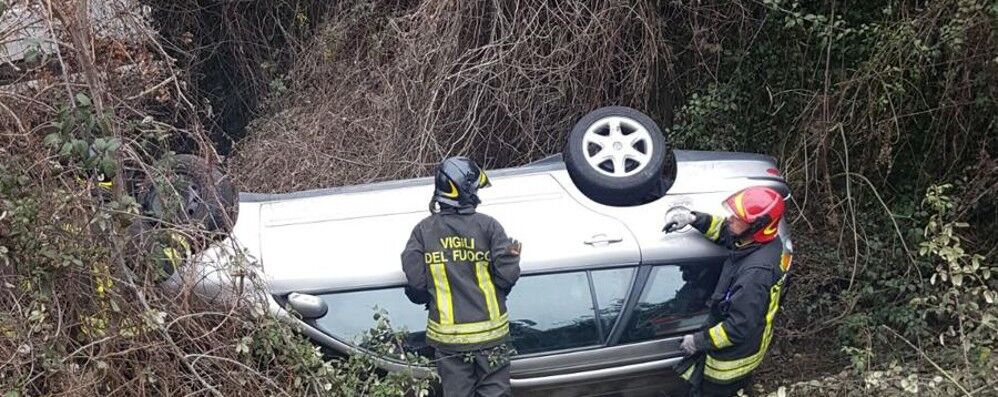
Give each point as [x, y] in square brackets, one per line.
[605, 296]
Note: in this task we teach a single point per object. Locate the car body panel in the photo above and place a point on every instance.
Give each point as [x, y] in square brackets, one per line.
[592, 359]
[353, 240]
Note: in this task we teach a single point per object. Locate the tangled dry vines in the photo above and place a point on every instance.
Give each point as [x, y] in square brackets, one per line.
[84, 312]
[380, 96]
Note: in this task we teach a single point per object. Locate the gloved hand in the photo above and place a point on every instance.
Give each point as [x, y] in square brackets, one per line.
[515, 247]
[690, 345]
[679, 220]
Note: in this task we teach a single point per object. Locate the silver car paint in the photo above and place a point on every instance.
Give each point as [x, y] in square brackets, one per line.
[350, 238]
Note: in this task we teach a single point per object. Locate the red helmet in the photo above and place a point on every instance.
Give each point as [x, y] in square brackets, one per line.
[761, 208]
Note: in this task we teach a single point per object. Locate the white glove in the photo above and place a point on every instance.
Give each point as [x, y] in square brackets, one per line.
[689, 345]
[679, 220]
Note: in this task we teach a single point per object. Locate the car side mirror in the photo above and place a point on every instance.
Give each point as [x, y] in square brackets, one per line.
[308, 306]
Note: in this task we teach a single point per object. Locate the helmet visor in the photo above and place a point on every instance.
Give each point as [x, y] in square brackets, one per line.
[727, 208]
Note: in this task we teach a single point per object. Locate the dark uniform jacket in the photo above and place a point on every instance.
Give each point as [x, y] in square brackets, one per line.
[743, 307]
[456, 263]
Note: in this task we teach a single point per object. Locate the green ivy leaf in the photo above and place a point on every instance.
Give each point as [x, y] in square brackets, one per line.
[99, 145]
[80, 147]
[984, 355]
[53, 140]
[31, 55]
[107, 166]
[113, 144]
[67, 149]
[83, 99]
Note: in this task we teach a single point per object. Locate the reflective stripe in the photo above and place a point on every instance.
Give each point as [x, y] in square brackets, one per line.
[483, 180]
[739, 205]
[772, 228]
[445, 306]
[453, 190]
[719, 336]
[689, 372]
[471, 338]
[468, 328]
[785, 260]
[175, 257]
[488, 289]
[714, 231]
[106, 185]
[182, 241]
[725, 370]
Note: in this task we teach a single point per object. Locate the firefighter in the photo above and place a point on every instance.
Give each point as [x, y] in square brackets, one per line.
[461, 265]
[720, 359]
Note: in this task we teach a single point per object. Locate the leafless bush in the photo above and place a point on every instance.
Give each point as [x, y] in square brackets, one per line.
[382, 95]
[82, 307]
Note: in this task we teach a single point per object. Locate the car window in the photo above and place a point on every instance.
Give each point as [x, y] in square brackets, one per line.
[673, 301]
[547, 312]
[351, 314]
[611, 287]
[552, 312]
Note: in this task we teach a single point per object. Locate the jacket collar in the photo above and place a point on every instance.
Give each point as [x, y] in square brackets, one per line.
[463, 210]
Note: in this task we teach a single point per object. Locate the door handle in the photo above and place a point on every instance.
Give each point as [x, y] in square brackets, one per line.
[602, 238]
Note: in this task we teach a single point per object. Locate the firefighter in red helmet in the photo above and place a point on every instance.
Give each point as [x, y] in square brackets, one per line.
[720, 359]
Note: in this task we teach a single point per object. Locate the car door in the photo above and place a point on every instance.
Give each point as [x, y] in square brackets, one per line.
[558, 233]
[560, 321]
[561, 239]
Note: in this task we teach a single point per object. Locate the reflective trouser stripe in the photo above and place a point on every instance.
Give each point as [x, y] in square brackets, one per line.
[714, 231]
[445, 306]
[468, 338]
[468, 328]
[730, 370]
[719, 336]
[468, 333]
[488, 289]
[726, 371]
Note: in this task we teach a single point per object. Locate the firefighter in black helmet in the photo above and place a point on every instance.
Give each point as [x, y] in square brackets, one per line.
[461, 265]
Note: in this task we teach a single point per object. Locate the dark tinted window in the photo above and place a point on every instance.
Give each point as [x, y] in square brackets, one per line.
[552, 312]
[611, 288]
[672, 301]
[352, 313]
[547, 312]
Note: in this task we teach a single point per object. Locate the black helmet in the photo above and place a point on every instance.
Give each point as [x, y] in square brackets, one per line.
[457, 182]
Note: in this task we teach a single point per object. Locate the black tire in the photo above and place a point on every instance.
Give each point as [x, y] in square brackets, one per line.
[640, 182]
[192, 192]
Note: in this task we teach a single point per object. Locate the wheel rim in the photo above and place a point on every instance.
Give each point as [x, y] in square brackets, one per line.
[617, 146]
